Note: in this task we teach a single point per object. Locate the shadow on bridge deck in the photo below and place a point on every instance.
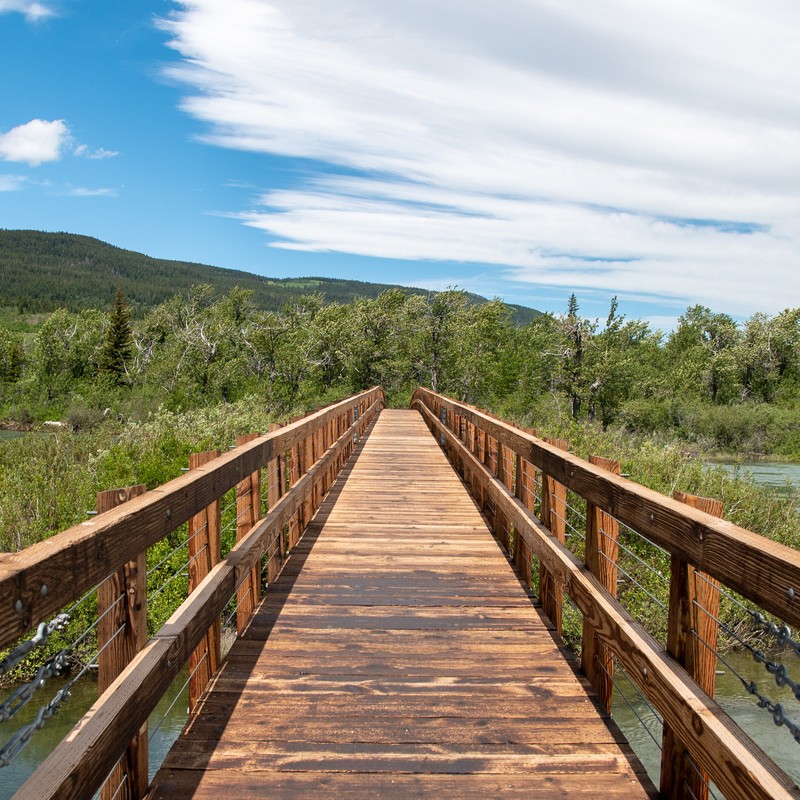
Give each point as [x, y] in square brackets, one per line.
[398, 655]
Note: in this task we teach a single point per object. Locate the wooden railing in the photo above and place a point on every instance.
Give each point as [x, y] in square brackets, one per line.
[107, 749]
[503, 466]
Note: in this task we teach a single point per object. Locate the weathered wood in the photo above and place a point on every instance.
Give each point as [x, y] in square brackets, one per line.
[97, 547]
[757, 568]
[717, 745]
[78, 766]
[692, 632]
[276, 483]
[358, 665]
[248, 511]
[554, 517]
[121, 634]
[204, 555]
[602, 554]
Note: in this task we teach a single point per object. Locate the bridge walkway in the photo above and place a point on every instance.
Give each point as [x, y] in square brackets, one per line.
[398, 655]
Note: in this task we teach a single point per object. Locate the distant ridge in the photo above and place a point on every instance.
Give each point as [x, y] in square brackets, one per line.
[44, 271]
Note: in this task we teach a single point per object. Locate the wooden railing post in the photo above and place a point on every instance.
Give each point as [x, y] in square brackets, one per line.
[204, 555]
[553, 514]
[692, 632]
[276, 483]
[524, 491]
[602, 554]
[248, 511]
[121, 634]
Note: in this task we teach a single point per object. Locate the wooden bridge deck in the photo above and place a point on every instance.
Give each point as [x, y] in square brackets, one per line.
[398, 655]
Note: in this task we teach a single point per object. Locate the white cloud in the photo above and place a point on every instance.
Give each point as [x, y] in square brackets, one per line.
[32, 10]
[35, 142]
[651, 150]
[80, 191]
[99, 154]
[11, 183]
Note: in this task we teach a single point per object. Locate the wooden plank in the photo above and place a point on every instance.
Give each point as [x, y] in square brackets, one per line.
[248, 511]
[204, 555]
[96, 547]
[602, 553]
[554, 517]
[766, 572]
[717, 745]
[692, 631]
[121, 634]
[399, 648]
[79, 764]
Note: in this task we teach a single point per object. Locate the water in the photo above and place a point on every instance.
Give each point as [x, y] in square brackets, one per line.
[165, 723]
[635, 718]
[775, 474]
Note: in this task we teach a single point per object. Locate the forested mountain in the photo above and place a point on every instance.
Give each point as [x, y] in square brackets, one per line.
[44, 271]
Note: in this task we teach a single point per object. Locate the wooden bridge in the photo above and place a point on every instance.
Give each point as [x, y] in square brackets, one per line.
[399, 649]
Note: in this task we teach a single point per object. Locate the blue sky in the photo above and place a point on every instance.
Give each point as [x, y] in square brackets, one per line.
[521, 148]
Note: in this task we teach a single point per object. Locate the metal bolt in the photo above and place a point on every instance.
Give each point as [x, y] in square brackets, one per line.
[644, 673]
[790, 593]
[169, 513]
[18, 606]
[43, 590]
[652, 518]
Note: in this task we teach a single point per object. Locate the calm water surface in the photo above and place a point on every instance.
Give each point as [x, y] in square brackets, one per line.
[640, 725]
[166, 722]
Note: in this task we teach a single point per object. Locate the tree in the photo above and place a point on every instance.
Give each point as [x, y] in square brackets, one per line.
[118, 343]
[12, 356]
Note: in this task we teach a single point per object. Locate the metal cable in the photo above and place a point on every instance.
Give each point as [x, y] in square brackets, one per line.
[177, 697]
[630, 552]
[630, 577]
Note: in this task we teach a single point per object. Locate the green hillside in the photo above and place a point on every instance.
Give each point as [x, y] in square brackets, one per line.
[44, 271]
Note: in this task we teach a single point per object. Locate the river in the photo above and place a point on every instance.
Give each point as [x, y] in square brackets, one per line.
[166, 722]
[641, 727]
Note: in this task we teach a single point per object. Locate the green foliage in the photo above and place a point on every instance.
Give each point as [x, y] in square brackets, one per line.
[45, 271]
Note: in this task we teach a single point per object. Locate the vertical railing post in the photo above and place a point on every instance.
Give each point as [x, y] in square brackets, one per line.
[524, 476]
[554, 514]
[276, 482]
[443, 418]
[204, 555]
[692, 630]
[248, 508]
[602, 554]
[121, 634]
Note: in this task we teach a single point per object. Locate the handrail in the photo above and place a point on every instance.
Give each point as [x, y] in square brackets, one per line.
[766, 572]
[714, 742]
[79, 764]
[33, 584]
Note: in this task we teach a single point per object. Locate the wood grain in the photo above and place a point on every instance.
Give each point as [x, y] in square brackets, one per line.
[95, 548]
[398, 655]
[756, 567]
[716, 744]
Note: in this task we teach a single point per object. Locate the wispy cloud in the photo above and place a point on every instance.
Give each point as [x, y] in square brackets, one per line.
[33, 11]
[99, 154]
[80, 191]
[35, 142]
[11, 183]
[634, 148]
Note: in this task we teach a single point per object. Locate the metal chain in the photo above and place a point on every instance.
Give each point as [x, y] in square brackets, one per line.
[19, 698]
[21, 739]
[43, 632]
[782, 633]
